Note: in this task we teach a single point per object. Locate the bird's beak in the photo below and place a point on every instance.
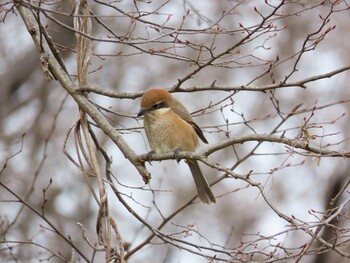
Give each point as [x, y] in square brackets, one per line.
[140, 113]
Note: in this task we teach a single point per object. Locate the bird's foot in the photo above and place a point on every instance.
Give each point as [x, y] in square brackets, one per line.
[176, 155]
[149, 157]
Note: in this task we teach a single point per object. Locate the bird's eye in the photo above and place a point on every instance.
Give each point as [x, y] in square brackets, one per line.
[157, 106]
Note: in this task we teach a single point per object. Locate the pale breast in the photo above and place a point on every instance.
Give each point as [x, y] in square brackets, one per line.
[167, 132]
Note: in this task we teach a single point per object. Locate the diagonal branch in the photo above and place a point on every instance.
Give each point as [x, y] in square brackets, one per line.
[67, 83]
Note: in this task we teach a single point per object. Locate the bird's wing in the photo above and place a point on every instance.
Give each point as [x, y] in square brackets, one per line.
[181, 111]
[198, 131]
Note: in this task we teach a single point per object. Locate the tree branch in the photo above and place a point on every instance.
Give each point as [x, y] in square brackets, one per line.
[65, 80]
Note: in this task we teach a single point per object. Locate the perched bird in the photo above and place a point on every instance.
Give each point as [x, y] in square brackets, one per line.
[170, 127]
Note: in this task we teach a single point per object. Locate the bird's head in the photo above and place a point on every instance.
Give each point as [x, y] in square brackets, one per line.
[154, 99]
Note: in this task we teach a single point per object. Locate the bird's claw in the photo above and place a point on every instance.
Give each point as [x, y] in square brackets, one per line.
[176, 155]
[149, 157]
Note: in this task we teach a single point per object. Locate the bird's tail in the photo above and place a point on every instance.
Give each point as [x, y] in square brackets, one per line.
[204, 192]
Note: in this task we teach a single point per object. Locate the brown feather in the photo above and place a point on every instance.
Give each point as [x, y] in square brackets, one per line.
[185, 115]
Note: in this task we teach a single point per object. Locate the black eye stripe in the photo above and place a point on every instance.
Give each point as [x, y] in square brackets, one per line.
[158, 106]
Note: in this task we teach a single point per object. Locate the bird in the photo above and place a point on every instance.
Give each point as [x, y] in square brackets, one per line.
[169, 127]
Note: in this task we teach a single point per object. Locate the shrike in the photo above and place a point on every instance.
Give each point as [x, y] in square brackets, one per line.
[170, 127]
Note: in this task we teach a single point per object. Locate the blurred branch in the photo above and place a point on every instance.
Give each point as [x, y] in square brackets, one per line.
[53, 228]
[333, 207]
[43, 247]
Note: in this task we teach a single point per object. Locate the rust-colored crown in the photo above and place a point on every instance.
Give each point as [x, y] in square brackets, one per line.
[154, 96]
